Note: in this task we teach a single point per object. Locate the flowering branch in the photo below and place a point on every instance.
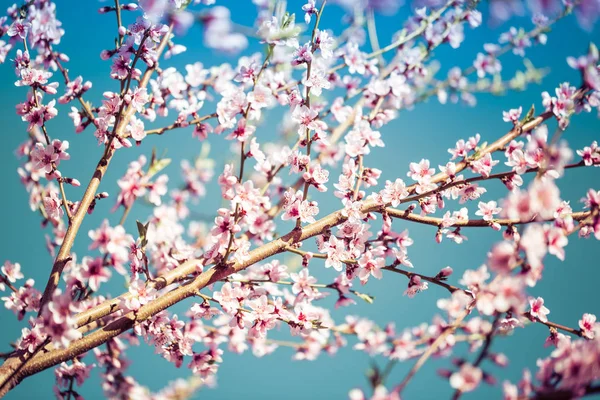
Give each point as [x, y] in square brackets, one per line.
[232, 261]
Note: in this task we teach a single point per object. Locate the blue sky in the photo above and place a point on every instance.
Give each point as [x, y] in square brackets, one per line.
[425, 132]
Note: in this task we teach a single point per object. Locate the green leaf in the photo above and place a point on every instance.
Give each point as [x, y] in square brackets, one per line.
[288, 19]
[593, 51]
[368, 298]
[153, 156]
[143, 232]
[141, 229]
[158, 166]
[529, 116]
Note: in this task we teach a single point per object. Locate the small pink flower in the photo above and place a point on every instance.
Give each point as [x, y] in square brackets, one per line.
[94, 272]
[487, 64]
[512, 115]
[242, 132]
[336, 253]
[11, 272]
[31, 338]
[140, 294]
[590, 155]
[309, 9]
[557, 241]
[53, 206]
[303, 284]
[370, 266]
[317, 177]
[136, 129]
[484, 165]
[488, 210]
[587, 323]
[466, 379]
[58, 321]
[538, 310]
[43, 157]
[502, 257]
[421, 172]
[77, 371]
[317, 81]
[394, 192]
[471, 192]
[415, 285]
[19, 28]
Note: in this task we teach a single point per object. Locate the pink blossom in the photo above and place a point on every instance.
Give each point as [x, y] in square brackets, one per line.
[298, 161]
[241, 251]
[242, 132]
[317, 177]
[488, 210]
[317, 82]
[587, 323]
[158, 188]
[260, 97]
[26, 299]
[139, 98]
[538, 310]
[421, 172]
[394, 192]
[275, 271]
[487, 64]
[94, 272]
[309, 9]
[203, 310]
[136, 129]
[512, 115]
[307, 119]
[592, 199]
[590, 155]
[475, 279]
[43, 157]
[466, 379]
[227, 182]
[557, 241]
[402, 257]
[303, 284]
[31, 338]
[484, 165]
[544, 198]
[503, 294]
[370, 265]
[262, 315]
[336, 253]
[58, 321]
[53, 206]
[471, 192]
[296, 208]
[415, 285]
[11, 272]
[75, 88]
[463, 148]
[37, 78]
[140, 295]
[225, 225]
[76, 371]
[205, 364]
[19, 28]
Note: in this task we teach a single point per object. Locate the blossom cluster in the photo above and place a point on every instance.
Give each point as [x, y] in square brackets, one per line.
[338, 101]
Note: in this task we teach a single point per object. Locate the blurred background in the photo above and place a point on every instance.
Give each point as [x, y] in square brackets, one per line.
[570, 287]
